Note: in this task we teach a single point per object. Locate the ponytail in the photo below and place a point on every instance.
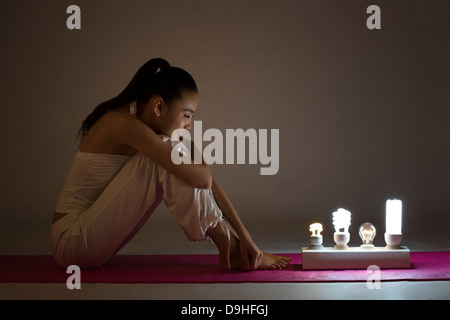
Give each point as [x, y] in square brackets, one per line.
[156, 76]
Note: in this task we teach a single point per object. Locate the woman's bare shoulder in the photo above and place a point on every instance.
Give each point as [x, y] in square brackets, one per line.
[109, 133]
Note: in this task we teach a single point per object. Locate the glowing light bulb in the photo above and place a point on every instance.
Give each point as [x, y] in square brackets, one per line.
[394, 216]
[316, 238]
[393, 235]
[367, 233]
[316, 229]
[341, 222]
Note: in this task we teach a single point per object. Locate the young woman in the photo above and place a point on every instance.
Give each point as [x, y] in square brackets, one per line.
[124, 169]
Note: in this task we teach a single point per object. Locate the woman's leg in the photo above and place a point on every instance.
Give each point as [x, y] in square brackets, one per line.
[198, 213]
[89, 239]
[194, 209]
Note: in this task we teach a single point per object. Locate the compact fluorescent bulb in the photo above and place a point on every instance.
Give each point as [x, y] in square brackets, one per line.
[316, 229]
[341, 220]
[316, 237]
[393, 216]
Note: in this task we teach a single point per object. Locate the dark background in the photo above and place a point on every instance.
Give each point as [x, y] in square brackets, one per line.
[363, 114]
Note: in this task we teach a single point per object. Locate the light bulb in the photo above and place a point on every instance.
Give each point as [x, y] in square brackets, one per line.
[367, 233]
[393, 235]
[316, 237]
[394, 216]
[341, 222]
[316, 229]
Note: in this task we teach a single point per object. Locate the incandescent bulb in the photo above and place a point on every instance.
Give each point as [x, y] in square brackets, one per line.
[367, 233]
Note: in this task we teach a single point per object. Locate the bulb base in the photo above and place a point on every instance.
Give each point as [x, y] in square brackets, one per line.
[393, 241]
[316, 242]
[341, 239]
[367, 246]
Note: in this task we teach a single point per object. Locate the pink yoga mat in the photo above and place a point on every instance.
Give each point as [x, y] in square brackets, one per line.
[203, 268]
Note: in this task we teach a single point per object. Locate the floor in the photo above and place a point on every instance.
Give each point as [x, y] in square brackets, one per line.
[154, 239]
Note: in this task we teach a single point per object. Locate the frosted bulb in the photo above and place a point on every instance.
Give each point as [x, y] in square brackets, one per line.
[393, 235]
[394, 216]
[367, 233]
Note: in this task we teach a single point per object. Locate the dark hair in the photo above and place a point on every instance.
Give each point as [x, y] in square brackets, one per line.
[155, 77]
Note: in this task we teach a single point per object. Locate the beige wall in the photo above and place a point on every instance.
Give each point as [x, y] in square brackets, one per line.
[363, 115]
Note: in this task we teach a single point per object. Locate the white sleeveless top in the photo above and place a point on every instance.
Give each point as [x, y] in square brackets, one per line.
[88, 176]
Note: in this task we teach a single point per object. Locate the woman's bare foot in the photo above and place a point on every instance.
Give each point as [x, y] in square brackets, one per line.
[272, 262]
[232, 259]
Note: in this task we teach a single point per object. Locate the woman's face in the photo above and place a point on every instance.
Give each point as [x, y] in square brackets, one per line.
[179, 114]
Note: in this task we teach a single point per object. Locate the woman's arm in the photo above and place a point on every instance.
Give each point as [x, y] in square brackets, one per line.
[250, 253]
[134, 133]
[137, 135]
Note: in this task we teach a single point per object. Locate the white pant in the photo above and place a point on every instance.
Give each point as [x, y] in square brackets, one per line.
[89, 239]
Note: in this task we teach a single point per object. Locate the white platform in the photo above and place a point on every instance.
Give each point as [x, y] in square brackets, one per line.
[355, 258]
